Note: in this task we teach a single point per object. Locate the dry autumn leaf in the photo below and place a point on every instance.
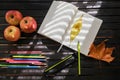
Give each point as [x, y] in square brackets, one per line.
[100, 52]
[107, 57]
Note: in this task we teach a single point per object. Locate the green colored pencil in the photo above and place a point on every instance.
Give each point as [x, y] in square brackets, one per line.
[2, 65]
[53, 66]
[20, 56]
[79, 66]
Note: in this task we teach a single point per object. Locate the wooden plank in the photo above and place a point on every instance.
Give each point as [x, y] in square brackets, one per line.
[39, 18]
[95, 12]
[34, 13]
[46, 5]
[41, 6]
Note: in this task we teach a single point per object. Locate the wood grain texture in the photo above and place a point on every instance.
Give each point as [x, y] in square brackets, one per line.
[92, 69]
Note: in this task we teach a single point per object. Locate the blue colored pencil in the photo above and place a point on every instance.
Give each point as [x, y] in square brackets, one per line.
[42, 59]
[33, 67]
[5, 65]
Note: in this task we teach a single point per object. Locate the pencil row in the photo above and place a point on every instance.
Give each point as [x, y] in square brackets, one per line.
[24, 61]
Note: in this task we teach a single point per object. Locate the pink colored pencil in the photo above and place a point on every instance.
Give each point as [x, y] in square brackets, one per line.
[25, 61]
[26, 52]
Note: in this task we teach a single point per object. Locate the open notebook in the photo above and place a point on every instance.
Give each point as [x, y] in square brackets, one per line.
[59, 21]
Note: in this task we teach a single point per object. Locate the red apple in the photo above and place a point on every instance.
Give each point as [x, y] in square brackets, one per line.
[12, 33]
[28, 24]
[13, 17]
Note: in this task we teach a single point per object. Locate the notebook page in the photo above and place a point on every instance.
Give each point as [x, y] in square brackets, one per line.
[57, 20]
[86, 36]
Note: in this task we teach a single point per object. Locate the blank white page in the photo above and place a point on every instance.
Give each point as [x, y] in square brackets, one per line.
[57, 20]
[87, 34]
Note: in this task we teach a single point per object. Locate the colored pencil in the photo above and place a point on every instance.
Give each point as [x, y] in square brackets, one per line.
[18, 66]
[23, 56]
[58, 63]
[26, 55]
[25, 67]
[31, 59]
[79, 64]
[26, 52]
[4, 59]
[25, 61]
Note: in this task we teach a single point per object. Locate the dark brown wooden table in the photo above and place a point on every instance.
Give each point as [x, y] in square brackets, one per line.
[91, 69]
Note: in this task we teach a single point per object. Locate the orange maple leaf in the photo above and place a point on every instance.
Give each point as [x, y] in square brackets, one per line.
[100, 52]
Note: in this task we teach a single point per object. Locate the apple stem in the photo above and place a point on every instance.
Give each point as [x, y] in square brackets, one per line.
[10, 30]
[12, 16]
[26, 21]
